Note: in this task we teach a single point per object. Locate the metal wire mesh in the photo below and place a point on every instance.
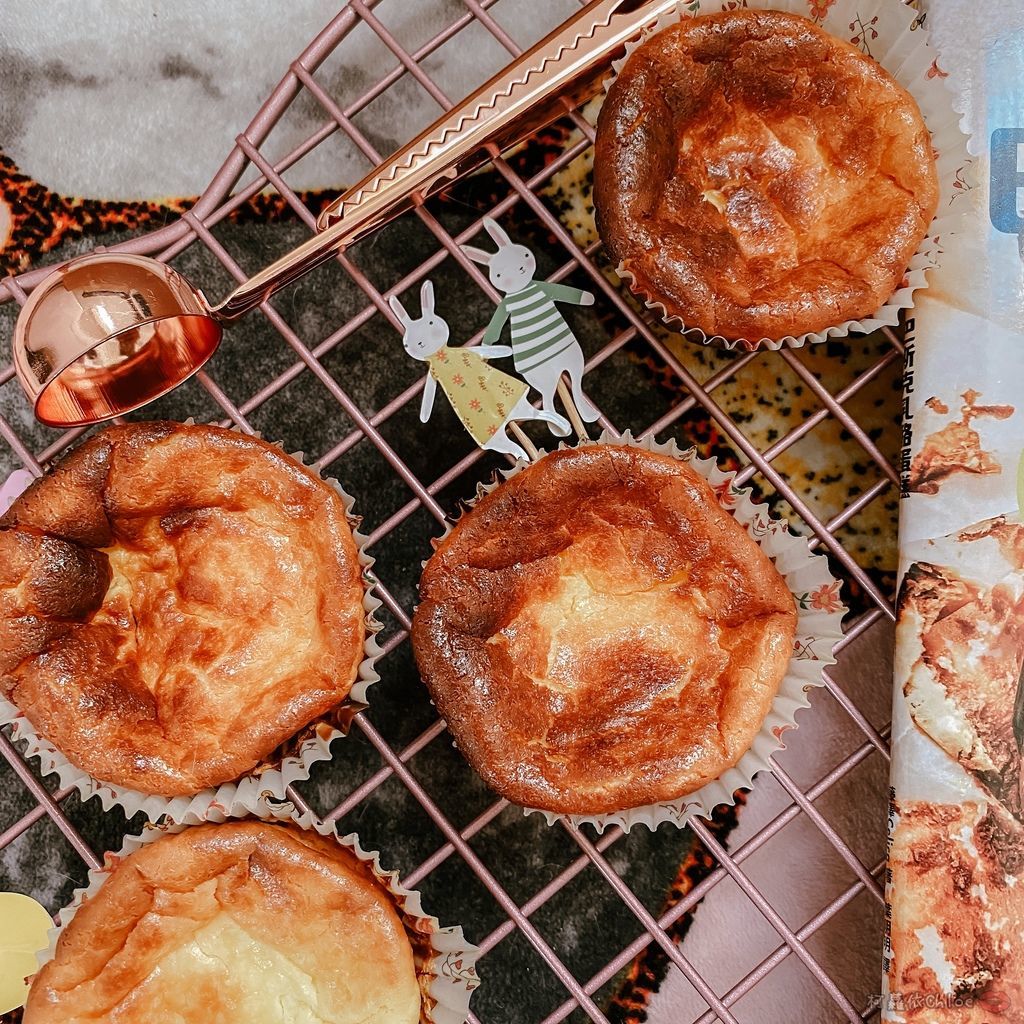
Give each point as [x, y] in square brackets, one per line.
[424, 493]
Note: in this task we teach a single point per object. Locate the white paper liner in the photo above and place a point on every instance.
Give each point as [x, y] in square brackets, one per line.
[447, 976]
[270, 783]
[818, 630]
[901, 46]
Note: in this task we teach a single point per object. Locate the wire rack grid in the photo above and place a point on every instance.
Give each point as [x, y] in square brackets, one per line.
[305, 356]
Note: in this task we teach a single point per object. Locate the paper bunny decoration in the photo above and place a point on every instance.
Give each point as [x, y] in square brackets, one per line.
[543, 345]
[485, 399]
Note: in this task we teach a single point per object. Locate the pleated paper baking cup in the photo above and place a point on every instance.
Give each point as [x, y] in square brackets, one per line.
[290, 763]
[892, 33]
[445, 960]
[819, 628]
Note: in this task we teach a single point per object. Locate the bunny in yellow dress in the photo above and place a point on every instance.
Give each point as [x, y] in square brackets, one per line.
[485, 399]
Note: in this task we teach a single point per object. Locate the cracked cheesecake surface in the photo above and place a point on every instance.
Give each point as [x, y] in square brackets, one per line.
[599, 633]
[760, 177]
[176, 601]
[222, 923]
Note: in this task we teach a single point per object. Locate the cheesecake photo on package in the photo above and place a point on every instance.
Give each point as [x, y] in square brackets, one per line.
[954, 943]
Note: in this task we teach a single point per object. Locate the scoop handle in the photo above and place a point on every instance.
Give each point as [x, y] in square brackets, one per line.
[561, 71]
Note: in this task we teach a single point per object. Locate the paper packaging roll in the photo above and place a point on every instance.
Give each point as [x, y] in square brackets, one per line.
[954, 942]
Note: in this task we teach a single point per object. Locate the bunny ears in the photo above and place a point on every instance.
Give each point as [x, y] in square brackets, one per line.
[426, 302]
[497, 232]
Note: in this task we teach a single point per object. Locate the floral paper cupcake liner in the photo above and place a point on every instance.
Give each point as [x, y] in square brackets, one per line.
[293, 762]
[445, 960]
[892, 33]
[820, 611]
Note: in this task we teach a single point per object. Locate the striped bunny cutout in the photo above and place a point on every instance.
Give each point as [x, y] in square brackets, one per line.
[543, 345]
[486, 400]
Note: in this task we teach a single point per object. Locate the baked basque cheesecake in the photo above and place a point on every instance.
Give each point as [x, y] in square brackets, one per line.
[240, 923]
[600, 634]
[759, 177]
[176, 601]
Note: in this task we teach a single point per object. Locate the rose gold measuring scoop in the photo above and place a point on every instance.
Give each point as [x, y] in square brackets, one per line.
[107, 333]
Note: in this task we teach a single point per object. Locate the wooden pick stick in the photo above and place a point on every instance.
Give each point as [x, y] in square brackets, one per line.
[527, 444]
[574, 414]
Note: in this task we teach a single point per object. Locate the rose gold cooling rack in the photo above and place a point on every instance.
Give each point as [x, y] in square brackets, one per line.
[408, 764]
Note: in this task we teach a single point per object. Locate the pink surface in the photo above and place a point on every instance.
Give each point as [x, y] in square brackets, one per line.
[12, 487]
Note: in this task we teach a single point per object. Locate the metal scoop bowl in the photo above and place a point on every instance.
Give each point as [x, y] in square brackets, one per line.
[107, 333]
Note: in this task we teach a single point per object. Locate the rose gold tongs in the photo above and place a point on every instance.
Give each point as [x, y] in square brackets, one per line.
[108, 332]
